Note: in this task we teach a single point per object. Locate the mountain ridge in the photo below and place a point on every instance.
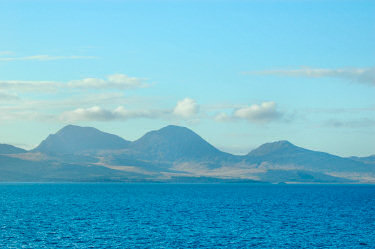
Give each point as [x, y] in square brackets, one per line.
[10, 149]
[173, 152]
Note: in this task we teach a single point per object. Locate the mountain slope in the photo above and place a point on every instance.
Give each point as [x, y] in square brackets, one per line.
[75, 139]
[300, 176]
[10, 149]
[86, 154]
[18, 170]
[367, 160]
[174, 144]
[285, 153]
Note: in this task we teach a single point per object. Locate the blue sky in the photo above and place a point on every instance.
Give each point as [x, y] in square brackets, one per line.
[239, 73]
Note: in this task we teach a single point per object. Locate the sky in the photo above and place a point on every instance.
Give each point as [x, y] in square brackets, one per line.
[238, 73]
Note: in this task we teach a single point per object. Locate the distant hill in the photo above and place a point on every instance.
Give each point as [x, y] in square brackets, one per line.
[10, 149]
[367, 160]
[300, 176]
[175, 143]
[276, 147]
[75, 139]
[284, 153]
[173, 154]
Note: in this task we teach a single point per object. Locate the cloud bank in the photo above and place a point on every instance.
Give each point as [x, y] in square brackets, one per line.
[97, 113]
[360, 75]
[186, 108]
[356, 123]
[30, 86]
[115, 81]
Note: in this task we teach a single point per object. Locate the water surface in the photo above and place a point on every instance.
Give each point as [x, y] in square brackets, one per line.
[186, 216]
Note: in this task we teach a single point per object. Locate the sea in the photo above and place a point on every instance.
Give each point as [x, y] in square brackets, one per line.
[153, 215]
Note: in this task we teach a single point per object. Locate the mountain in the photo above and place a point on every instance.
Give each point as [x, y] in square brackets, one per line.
[75, 139]
[367, 160]
[173, 154]
[175, 143]
[10, 149]
[275, 147]
[286, 154]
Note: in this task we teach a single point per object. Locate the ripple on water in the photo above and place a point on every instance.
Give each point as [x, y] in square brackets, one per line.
[186, 216]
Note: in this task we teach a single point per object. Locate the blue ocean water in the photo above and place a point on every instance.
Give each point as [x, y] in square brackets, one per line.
[186, 216]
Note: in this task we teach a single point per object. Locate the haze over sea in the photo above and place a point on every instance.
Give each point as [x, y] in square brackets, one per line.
[120, 215]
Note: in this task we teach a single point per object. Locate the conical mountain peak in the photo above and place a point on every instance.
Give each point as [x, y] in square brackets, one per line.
[73, 139]
[274, 147]
[175, 143]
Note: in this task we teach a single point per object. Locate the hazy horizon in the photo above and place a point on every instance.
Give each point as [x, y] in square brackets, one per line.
[224, 148]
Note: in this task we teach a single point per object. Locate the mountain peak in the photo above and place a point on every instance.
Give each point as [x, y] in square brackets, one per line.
[281, 143]
[74, 128]
[175, 130]
[70, 126]
[175, 143]
[174, 127]
[278, 146]
[72, 139]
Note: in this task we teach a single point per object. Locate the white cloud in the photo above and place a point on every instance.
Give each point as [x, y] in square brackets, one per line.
[257, 113]
[29, 86]
[96, 113]
[115, 81]
[221, 117]
[186, 108]
[44, 57]
[123, 113]
[82, 100]
[85, 114]
[265, 112]
[361, 75]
